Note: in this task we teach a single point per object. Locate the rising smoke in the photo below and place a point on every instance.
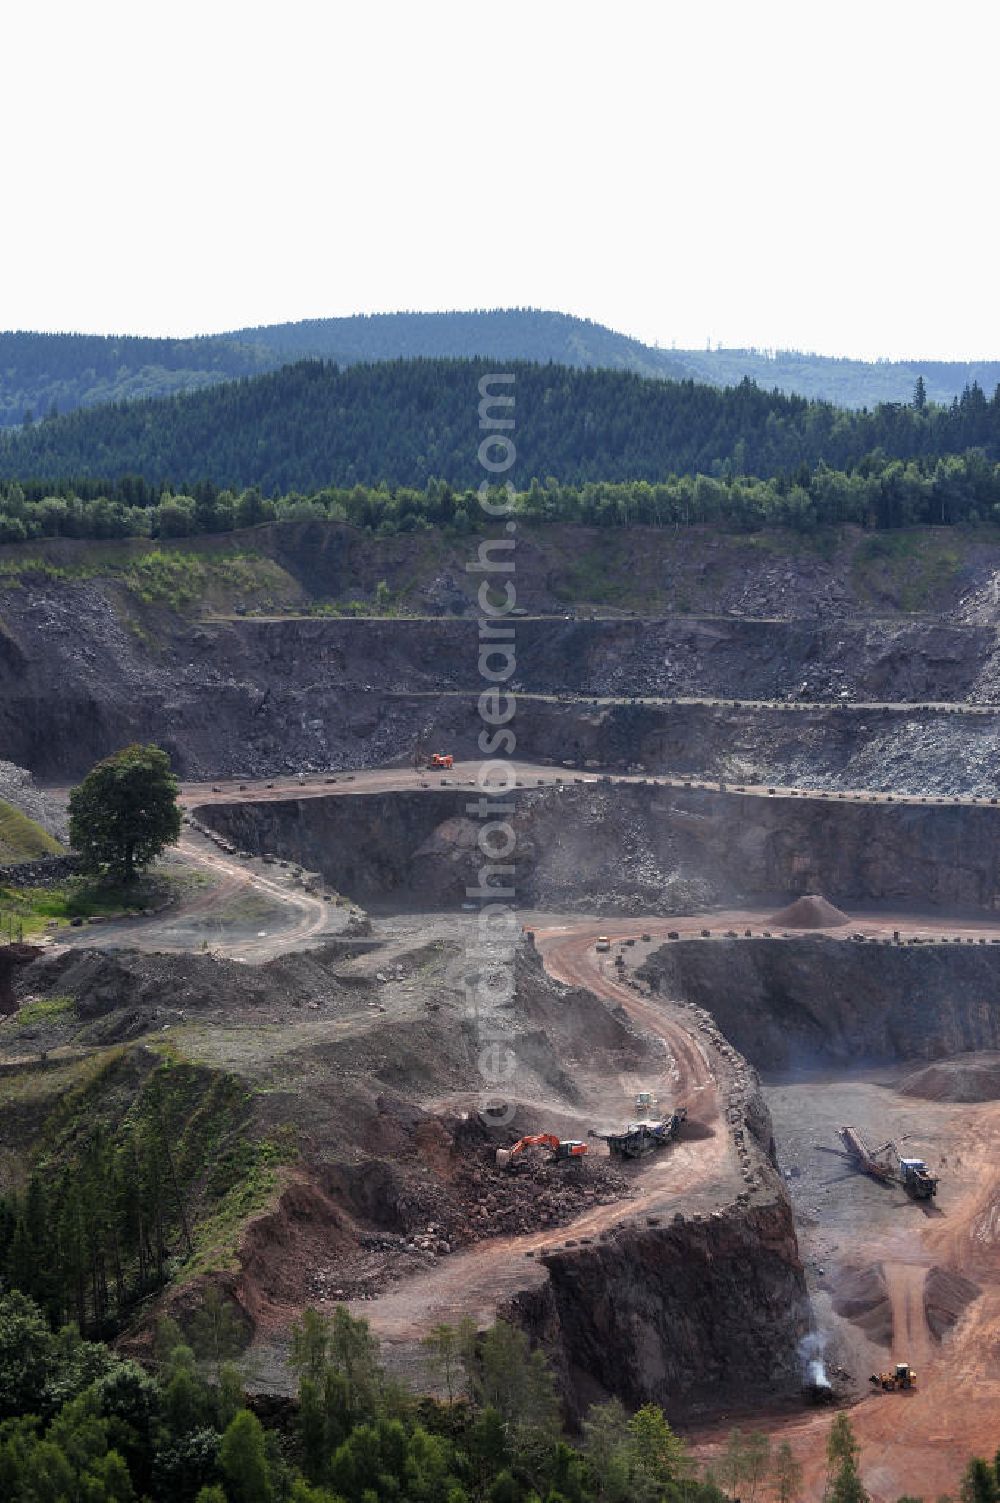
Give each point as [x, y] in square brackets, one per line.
[811, 1351]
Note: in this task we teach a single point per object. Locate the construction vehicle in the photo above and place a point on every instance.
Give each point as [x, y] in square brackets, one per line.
[644, 1102]
[603, 943]
[638, 1138]
[915, 1177]
[902, 1379]
[888, 1166]
[563, 1149]
[442, 760]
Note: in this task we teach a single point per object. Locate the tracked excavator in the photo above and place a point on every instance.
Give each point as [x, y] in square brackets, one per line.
[443, 761]
[888, 1165]
[563, 1149]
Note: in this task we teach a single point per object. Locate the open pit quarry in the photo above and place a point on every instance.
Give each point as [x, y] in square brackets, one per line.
[681, 782]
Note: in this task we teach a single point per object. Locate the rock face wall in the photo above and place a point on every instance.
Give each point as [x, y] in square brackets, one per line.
[638, 848]
[84, 670]
[794, 1003]
[698, 1312]
[694, 1316]
[920, 750]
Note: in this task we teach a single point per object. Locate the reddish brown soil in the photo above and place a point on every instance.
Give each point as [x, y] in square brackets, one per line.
[918, 1443]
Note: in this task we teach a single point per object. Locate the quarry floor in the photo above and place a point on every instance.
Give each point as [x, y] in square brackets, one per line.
[914, 1443]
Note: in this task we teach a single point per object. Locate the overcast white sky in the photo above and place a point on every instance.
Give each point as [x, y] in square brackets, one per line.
[814, 175]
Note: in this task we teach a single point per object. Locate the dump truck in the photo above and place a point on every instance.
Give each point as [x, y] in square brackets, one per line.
[562, 1150]
[915, 1177]
[638, 1138]
[901, 1379]
[603, 943]
[888, 1166]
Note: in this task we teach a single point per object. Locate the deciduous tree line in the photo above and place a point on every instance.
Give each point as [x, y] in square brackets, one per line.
[878, 494]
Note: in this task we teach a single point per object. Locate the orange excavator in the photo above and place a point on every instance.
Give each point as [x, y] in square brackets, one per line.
[444, 761]
[563, 1149]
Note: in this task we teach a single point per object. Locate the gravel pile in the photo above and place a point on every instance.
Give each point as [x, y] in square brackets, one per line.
[809, 912]
[967, 1077]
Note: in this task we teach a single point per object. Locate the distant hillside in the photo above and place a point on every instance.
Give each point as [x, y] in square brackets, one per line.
[312, 425]
[532, 334]
[42, 372]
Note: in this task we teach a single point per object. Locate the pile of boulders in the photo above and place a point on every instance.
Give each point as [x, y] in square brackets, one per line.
[540, 1194]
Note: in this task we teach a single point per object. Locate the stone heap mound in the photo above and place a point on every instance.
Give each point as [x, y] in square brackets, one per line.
[967, 1077]
[809, 912]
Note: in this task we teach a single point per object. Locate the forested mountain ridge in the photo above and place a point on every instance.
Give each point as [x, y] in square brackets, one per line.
[42, 372]
[538, 335]
[312, 425]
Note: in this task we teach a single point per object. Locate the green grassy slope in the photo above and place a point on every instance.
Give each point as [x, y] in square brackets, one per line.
[21, 839]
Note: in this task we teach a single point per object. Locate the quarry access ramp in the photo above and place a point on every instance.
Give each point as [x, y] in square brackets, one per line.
[721, 702]
[528, 775]
[701, 1172]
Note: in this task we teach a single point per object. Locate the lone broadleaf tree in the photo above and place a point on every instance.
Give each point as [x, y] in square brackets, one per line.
[124, 813]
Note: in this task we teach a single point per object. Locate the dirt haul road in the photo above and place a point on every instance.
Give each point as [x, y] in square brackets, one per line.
[704, 1167]
[945, 706]
[307, 916]
[289, 918]
[529, 775]
[242, 915]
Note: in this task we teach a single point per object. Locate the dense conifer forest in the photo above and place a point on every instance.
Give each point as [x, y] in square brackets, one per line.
[405, 423]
